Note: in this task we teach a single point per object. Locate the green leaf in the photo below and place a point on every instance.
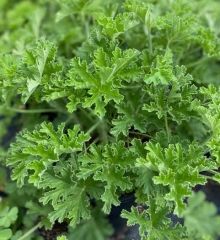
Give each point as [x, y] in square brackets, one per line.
[8, 216]
[153, 223]
[74, 210]
[97, 227]
[41, 148]
[5, 234]
[36, 208]
[102, 83]
[176, 168]
[209, 41]
[162, 70]
[144, 180]
[3, 175]
[112, 155]
[108, 166]
[17, 235]
[61, 238]
[105, 92]
[114, 27]
[131, 115]
[91, 162]
[39, 67]
[176, 28]
[61, 192]
[69, 8]
[201, 217]
[114, 179]
[141, 9]
[175, 100]
[75, 99]
[8, 68]
[118, 64]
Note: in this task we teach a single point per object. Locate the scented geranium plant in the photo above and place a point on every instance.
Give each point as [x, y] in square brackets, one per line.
[109, 98]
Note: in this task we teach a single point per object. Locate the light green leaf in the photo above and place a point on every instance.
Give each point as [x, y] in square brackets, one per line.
[8, 216]
[114, 27]
[5, 234]
[141, 9]
[131, 115]
[38, 68]
[62, 238]
[200, 217]
[41, 148]
[162, 70]
[97, 227]
[153, 223]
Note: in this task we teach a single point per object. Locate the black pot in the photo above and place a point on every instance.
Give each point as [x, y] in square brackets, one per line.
[122, 231]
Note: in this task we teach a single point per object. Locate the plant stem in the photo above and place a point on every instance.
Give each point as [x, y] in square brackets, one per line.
[141, 134]
[201, 60]
[208, 177]
[32, 110]
[149, 41]
[147, 31]
[213, 172]
[87, 115]
[29, 232]
[104, 133]
[207, 139]
[93, 127]
[167, 128]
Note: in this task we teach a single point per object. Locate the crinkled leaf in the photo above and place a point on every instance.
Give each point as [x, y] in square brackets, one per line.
[176, 168]
[97, 227]
[153, 223]
[114, 27]
[131, 115]
[41, 148]
[38, 68]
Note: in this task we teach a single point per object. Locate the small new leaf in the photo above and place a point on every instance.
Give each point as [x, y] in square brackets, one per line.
[38, 68]
[114, 27]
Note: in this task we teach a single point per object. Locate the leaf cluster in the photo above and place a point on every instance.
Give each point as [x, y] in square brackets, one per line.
[110, 98]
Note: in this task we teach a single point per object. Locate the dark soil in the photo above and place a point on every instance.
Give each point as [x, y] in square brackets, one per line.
[58, 229]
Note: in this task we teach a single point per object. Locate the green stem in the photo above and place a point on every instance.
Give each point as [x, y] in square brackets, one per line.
[147, 31]
[32, 110]
[207, 139]
[85, 23]
[72, 117]
[93, 142]
[201, 60]
[93, 127]
[213, 172]
[131, 87]
[208, 177]
[167, 128]
[29, 232]
[104, 134]
[141, 134]
[150, 43]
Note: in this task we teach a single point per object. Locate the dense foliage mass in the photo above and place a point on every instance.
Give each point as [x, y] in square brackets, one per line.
[109, 98]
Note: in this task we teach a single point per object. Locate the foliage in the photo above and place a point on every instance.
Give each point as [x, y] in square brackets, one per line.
[103, 98]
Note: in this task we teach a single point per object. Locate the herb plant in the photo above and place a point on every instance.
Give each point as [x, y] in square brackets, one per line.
[109, 98]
